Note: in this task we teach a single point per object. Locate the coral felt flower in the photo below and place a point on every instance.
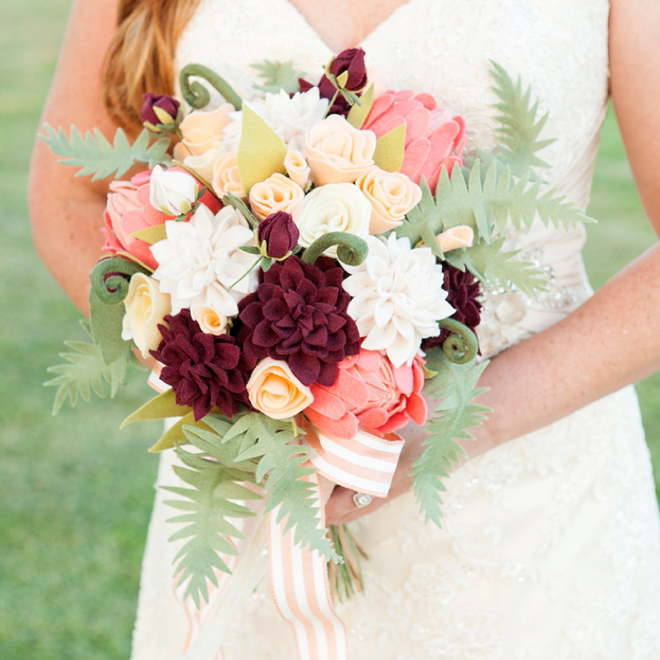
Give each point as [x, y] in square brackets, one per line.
[371, 394]
[398, 297]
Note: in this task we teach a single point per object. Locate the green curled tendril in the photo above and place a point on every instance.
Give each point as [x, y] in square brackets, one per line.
[196, 95]
[351, 249]
[110, 278]
[461, 345]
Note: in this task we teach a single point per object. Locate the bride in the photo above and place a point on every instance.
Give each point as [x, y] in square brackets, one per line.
[550, 546]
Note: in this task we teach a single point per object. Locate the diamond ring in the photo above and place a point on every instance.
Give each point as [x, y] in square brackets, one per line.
[361, 500]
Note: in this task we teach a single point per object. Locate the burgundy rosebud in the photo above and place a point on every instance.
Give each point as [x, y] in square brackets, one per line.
[279, 232]
[159, 109]
[350, 61]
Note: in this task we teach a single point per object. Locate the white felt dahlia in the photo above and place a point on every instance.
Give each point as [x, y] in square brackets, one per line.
[398, 297]
[200, 259]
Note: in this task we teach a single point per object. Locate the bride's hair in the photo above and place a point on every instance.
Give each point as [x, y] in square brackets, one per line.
[140, 55]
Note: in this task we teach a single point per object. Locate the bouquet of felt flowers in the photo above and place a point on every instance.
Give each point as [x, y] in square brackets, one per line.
[307, 270]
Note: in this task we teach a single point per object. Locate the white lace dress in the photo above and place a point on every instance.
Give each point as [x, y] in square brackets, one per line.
[550, 547]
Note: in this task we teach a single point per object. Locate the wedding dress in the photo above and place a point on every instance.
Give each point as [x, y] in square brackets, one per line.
[550, 547]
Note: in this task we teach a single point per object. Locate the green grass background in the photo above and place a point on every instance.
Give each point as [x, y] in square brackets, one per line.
[75, 493]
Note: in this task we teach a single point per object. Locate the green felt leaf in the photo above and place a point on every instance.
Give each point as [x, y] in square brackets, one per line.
[96, 156]
[519, 127]
[455, 385]
[242, 208]
[260, 151]
[216, 489]
[358, 113]
[281, 463]
[151, 235]
[85, 371]
[175, 435]
[277, 76]
[106, 324]
[390, 149]
[423, 222]
[160, 407]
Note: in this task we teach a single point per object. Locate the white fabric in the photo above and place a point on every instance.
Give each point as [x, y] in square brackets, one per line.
[550, 548]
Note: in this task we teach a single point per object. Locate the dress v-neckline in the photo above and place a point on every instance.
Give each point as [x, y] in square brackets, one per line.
[366, 37]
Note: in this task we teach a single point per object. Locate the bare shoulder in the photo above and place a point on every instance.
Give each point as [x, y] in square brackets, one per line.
[635, 88]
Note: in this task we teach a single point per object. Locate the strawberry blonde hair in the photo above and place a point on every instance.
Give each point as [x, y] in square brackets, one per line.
[140, 55]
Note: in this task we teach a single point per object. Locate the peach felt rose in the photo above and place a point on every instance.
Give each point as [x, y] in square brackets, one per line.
[146, 306]
[296, 167]
[275, 391]
[225, 176]
[391, 195]
[371, 394]
[276, 193]
[200, 130]
[434, 137]
[460, 236]
[337, 152]
[209, 320]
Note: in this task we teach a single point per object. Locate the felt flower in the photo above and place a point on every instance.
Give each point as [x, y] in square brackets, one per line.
[146, 306]
[296, 167]
[209, 320]
[275, 391]
[434, 137]
[172, 191]
[391, 195]
[225, 176]
[460, 236]
[200, 260]
[333, 207]
[279, 233]
[158, 109]
[201, 130]
[463, 294]
[371, 394]
[276, 193]
[350, 62]
[298, 315]
[202, 165]
[204, 370]
[340, 106]
[337, 152]
[398, 297]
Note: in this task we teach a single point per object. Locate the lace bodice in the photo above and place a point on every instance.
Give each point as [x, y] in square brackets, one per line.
[550, 546]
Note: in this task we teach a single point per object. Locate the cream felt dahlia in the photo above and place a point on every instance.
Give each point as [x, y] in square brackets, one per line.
[200, 259]
[398, 297]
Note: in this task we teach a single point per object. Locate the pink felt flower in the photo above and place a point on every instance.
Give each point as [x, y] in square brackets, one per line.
[434, 138]
[371, 394]
[128, 210]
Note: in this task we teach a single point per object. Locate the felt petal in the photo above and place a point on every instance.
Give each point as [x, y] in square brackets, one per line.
[417, 409]
[417, 123]
[372, 418]
[414, 158]
[403, 377]
[344, 427]
[351, 388]
[326, 403]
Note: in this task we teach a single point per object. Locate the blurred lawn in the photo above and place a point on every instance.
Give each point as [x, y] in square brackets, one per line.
[76, 493]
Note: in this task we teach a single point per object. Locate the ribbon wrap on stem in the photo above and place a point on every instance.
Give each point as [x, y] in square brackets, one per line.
[461, 346]
[351, 249]
[110, 279]
[196, 95]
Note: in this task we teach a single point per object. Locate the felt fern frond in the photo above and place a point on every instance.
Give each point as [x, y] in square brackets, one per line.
[277, 76]
[96, 156]
[519, 127]
[456, 386]
[84, 372]
[281, 464]
[216, 488]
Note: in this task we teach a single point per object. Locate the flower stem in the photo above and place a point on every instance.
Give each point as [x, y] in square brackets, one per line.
[246, 273]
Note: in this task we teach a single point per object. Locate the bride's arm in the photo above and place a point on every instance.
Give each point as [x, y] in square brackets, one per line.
[613, 339]
[67, 212]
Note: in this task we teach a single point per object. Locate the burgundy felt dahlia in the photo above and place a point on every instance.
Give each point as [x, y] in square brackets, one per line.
[298, 315]
[204, 370]
[463, 295]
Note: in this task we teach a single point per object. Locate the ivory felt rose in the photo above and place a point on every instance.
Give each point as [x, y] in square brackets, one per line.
[275, 391]
[276, 193]
[371, 394]
[200, 130]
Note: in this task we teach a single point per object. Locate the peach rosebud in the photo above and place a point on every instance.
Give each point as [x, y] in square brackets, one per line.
[209, 320]
[275, 391]
[225, 176]
[460, 236]
[201, 129]
[369, 393]
[296, 167]
[391, 195]
[146, 306]
[276, 193]
[337, 152]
